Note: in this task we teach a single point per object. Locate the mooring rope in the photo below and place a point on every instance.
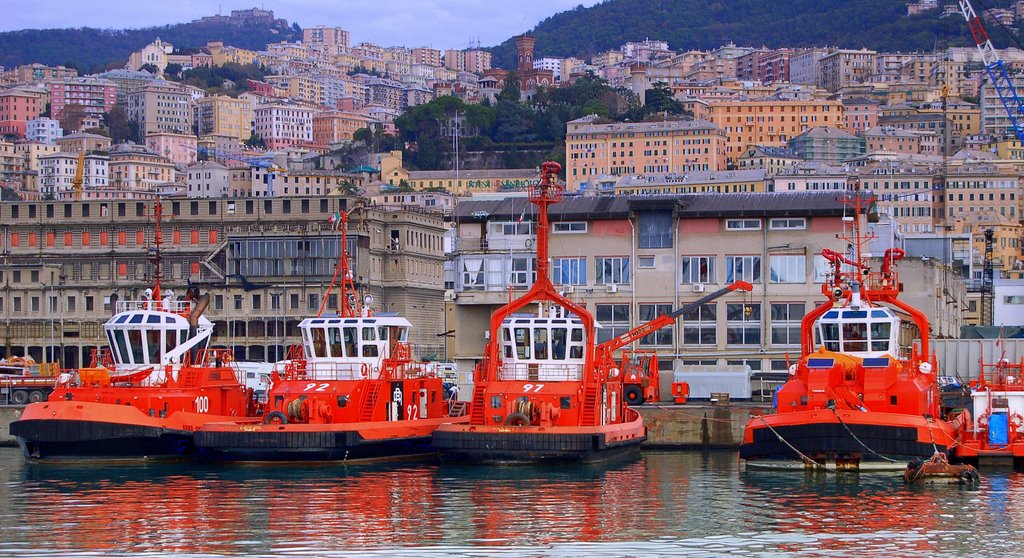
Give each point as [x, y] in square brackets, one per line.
[863, 445]
[783, 440]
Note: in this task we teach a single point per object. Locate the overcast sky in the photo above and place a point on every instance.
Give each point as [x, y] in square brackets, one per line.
[437, 23]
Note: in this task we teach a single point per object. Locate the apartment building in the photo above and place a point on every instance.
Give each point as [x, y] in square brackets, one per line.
[221, 115]
[321, 35]
[161, 107]
[43, 130]
[843, 67]
[333, 127]
[57, 173]
[16, 109]
[96, 95]
[265, 263]
[770, 121]
[827, 144]
[284, 125]
[595, 149]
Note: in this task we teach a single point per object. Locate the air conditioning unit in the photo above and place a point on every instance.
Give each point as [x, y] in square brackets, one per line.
[612, 288]
[450, 295]
[698, 287]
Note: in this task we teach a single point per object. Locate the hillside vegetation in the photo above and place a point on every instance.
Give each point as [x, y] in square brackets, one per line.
[706, 24]
[92, 50]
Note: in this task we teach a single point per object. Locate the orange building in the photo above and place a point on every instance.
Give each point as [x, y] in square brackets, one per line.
[771, 122]
[336, 126]
[594, 149]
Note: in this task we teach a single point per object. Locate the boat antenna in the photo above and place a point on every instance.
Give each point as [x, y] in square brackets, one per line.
[155, 257]
[349, 305]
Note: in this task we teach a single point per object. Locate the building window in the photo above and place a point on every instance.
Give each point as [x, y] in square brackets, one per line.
[645, 262]
[473, 273]
[785, 320]
[662, 336]
[793, 223]
[788, 269]
[655, 229]
[743, 224]
[700, 325]
[522, 274]
[743, 324]
[577, 227]
[698, 269]
[238, 302]
[743, 268]
[257, 302]
[614, 320]
[569, 271]
[613, 271]
[218, 302]
[294, 301]
[89, 304]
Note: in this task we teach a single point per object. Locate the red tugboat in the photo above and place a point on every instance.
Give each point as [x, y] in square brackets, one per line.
[544, 390]
[352, 393]
[855, 400]
[997, 432]
[147, 393]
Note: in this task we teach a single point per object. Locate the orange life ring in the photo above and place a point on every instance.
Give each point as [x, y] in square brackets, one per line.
[1016, 420]
[983, 420]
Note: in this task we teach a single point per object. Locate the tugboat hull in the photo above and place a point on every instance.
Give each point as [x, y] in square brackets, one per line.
[844, 440]
[72, 440]
[301, 442]
[80, 430]
[532, 444]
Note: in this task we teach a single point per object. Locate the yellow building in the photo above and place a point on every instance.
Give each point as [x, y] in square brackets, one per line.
[771, 122]
[299, 88]
[138, 170]
[221, 54]
[468, 181]
[596, 150]
[221, 115]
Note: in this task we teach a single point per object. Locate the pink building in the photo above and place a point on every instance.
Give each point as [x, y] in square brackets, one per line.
[16, 109]
[96, 95]
[179, 148]
[773, 66]
[861, 114]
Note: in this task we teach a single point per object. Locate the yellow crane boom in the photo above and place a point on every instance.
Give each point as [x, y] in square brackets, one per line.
[76, 184]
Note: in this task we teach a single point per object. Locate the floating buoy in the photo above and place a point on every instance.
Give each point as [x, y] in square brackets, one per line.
[938, 469]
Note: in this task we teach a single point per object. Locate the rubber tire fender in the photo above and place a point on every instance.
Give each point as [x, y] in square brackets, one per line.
[517, 419]
[280, 417]
[633, 394]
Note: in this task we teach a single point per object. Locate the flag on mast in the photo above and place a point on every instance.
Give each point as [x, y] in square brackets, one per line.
[334, 219]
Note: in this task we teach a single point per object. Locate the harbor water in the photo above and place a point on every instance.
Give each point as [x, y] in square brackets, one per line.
[664, 503]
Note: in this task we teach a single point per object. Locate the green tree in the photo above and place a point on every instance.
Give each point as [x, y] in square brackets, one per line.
[659, 99]
[71, 117]
[256, 141]
[173, 70]
[116, 120]
[151, 68]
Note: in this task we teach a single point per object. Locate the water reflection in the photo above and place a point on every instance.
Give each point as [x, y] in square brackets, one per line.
[679, 503]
